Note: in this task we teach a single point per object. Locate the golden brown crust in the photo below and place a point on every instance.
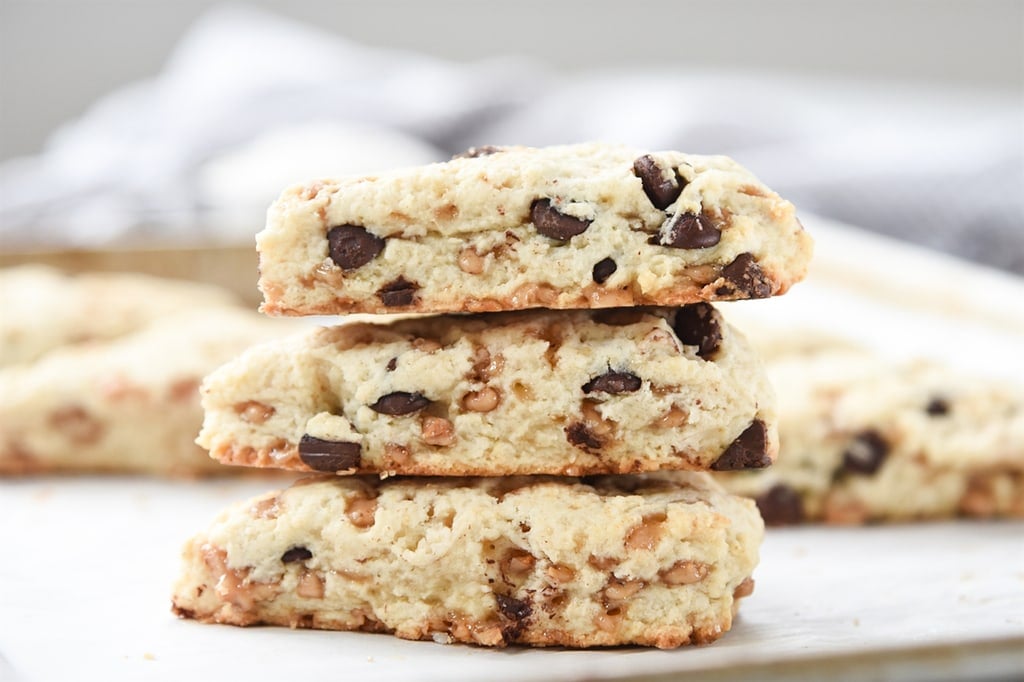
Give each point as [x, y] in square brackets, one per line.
[669, 636]
[685, 293]
[286, 457]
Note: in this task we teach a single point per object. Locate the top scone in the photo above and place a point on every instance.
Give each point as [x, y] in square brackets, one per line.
[507, 228]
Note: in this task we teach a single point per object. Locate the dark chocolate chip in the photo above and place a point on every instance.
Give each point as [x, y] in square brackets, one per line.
[392, 363]
[613, 382]
[866, 453]
[660, 190]
[699, 325]
[400, 403]
[780, 505]
[352, 246]
[398, 293]
[618, 317]
[690, 231]
[579, 435]
[476, 152]
[296, 554]
[604, 269]
[748, 451]
[550, 223]
[515, 610]
[512, 608]
[937, 407]
[329, 455]
[747, 277]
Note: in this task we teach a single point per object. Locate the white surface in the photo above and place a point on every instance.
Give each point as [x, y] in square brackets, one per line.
[86, 565]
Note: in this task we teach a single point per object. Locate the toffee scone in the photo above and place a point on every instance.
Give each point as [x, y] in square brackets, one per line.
[865, 439]
[44, 309]
[529, 392]
[127, 405]
[658, 559]
[506, 228]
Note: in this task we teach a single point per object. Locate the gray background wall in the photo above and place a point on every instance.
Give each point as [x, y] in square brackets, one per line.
[57, 56]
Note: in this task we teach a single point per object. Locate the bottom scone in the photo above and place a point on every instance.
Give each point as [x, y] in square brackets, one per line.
[656, 560]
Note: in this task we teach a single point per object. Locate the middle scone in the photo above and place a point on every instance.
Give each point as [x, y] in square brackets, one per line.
[532, 392]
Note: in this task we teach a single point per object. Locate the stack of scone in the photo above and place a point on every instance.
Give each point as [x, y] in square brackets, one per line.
[534, 472]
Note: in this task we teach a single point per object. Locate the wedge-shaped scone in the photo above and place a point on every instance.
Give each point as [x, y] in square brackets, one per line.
[530, 392]
[127, 405]
[583, 226]
[657, 559]
[866, 439]
[44, 309]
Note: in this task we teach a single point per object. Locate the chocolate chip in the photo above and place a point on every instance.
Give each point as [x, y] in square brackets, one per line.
[512, 608]
[398, 292]
[296, 554]
[699, 325]
[476, 152]
[660, 190]
[865, 454]
[780, 505]
[747, 278]
[400, 403]
[515, 610]
[748, 451]
[937, 407]
[690, 231]
[579, 435]
[392, 363]
[613, 382]
[329, 455]
[352, 246]
[604, 269]
[550, 223]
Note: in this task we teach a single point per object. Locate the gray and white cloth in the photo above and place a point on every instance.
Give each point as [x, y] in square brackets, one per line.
[249, 102]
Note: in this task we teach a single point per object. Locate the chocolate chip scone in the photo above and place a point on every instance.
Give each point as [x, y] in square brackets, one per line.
[656, 560]
[44, 309]
[127, 405]
[864, 439]
[528, 392]
[507, 228]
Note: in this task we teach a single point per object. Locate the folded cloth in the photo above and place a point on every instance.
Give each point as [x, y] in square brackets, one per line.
[940, 167]
[127, 168]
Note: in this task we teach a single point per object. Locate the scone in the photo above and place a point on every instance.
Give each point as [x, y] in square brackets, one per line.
[507, 228]
[657, 559]
[528, 392]
[127, 405]
[865, 439]
[44, 309]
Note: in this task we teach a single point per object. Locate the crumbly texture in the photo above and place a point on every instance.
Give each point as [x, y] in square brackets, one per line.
[529, 392]
[128, 405]
[656, 560]
[44, 309]
[582, 226]
[863, 439]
